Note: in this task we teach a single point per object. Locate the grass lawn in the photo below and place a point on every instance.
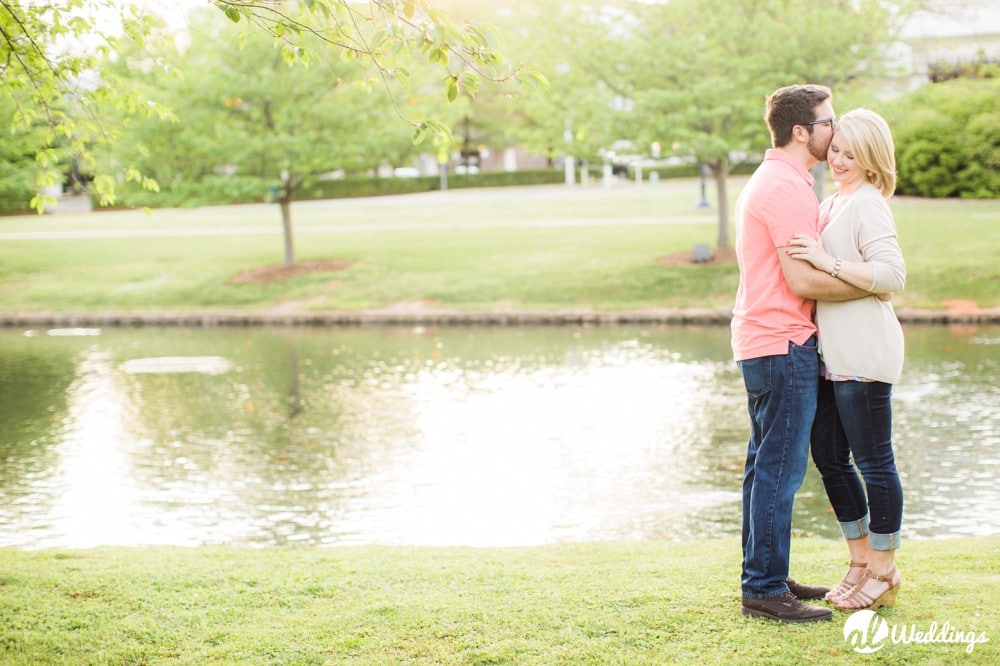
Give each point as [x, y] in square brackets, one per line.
[548, 247]
[597, 603]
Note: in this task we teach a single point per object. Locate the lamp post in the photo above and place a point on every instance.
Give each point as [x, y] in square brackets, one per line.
[569, 162]
[703, 173]
[442, 160]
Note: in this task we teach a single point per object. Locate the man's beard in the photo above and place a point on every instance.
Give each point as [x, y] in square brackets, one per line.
[817, 151]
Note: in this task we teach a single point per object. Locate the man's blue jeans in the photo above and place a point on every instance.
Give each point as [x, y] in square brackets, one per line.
[781, 400]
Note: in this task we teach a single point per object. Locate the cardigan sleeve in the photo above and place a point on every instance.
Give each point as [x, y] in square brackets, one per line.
[878, 244]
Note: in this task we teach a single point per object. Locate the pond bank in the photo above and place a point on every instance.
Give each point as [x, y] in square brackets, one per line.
[419, 315]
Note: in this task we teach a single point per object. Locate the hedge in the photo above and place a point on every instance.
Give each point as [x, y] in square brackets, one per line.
[366, 187]
[948, 139]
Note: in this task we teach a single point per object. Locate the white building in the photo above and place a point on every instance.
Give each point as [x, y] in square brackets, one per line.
[948, 33]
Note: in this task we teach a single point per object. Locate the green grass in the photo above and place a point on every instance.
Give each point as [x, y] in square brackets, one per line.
[952, 250]
[598, 603]
[528, 248]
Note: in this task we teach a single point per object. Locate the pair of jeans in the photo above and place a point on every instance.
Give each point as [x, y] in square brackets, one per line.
[781, 401]
[854, 419]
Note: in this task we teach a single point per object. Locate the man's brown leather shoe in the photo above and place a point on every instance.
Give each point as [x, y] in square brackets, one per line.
[806, 592]
[785, 608]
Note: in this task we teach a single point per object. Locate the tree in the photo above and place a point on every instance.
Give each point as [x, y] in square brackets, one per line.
[699, 76]
[386, 36]
[52, 58]
[17, 162]
[63, 88]
[579, 45]
[246, 115]
[685, 74]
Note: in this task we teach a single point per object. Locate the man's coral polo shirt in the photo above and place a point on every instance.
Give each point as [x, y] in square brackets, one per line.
[777, 203]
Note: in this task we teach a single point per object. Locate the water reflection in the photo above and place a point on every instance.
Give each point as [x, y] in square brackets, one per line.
[437, 437]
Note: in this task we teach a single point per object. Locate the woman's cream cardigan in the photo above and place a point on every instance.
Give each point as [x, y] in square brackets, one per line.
[862, 338]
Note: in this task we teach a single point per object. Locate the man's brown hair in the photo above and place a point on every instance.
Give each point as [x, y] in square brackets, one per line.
[790, 106]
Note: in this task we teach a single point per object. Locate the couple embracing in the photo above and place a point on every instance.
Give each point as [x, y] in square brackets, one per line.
[819, 347]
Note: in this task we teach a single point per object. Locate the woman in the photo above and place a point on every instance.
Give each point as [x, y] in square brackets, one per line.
[861, 349]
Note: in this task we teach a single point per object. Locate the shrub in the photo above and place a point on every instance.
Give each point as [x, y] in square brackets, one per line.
[948, 140]
[16, 191]
[981, 174]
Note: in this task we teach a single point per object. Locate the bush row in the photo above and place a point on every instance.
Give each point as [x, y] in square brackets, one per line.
[219, 189]
[215, 189]
[366, 187]
[948, 140]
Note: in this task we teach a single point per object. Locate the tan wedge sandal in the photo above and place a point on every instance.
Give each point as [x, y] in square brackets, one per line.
[858, 599]
[848, 581]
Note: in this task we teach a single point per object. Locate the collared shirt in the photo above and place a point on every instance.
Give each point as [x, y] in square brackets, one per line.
[777, 202]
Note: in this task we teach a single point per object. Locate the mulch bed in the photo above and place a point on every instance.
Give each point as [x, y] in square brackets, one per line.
[283, 272]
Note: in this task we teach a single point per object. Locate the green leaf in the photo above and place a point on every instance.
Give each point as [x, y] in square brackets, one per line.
[442, 133]
[451, 88]
[471, 82]
[440, 56]
[232, 14]
[38, 203]
[535, 79]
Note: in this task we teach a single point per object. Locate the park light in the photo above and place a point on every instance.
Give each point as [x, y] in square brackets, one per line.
[703, 174]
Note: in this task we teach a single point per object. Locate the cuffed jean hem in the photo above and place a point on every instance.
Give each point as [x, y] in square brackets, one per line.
[882, 542]
[855, 529]
[758, 596]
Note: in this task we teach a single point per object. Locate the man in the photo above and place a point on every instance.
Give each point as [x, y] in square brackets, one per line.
[774, 344]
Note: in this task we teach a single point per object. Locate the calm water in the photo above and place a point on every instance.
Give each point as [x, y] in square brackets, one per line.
[509, 436]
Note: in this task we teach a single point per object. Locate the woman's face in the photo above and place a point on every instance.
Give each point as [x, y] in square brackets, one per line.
[843, 166]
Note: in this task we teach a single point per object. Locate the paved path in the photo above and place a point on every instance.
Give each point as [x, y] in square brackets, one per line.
[276, 230]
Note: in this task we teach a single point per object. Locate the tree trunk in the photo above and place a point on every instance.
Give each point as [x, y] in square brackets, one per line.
[818, 172]
[286, 225]
[720, 172]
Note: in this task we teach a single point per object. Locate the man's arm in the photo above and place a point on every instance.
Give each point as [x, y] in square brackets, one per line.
[806, 281]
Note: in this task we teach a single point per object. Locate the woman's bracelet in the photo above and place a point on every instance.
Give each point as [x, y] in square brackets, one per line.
[836, 267]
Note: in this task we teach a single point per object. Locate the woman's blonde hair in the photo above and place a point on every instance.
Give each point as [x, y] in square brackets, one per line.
[870, 140]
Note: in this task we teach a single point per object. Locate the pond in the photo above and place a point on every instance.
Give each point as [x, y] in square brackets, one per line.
[439, 436]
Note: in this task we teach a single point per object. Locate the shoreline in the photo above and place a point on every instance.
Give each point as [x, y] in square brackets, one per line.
[423, 316]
